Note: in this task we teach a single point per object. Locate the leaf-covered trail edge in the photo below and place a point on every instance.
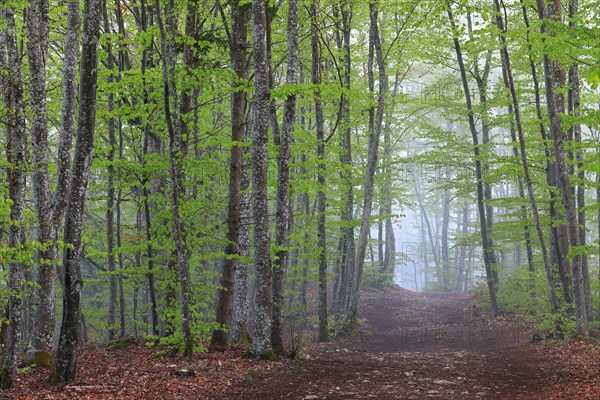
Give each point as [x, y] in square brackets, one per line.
[417, 346]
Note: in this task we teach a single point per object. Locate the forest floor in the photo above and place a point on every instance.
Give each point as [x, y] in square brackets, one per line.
[412, 346]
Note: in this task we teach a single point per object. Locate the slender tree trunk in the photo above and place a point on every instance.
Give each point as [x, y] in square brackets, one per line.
[574, 107]
[444, 236]
[460, 273]
[174, 128]
[46, 230]
[238, 56]
[16, 148]
[373, 151]
[110, 202]
[241, 299]
[555, 104]
[489, 255]
[558, 258]
[320, 128]
[150, 143]
[349, 245]
[282, 208]
[509, 83]
[261, 346]
[65, 365]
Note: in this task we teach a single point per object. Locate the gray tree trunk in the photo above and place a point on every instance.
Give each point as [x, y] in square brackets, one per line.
[241, 295]
[509, 83]
[110, 202]
[16, 149]
[65, 365]
[460, 273]
[489, 255]
[238, 50]
[175, 128]
[372, 157]
[282, 207]
[555, 104]
[261, 346]
[46, 229]
[320, 128]
[574, 107]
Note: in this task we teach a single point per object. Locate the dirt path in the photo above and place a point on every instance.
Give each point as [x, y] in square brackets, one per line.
[421, 346]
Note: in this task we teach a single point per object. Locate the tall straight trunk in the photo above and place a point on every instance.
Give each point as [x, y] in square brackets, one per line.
[110, 202]
[241, 299]
[149, 143]
[174, 129]
[489, 254]
[460, 273]
[46, 230]
[320, 128]
[516, 108]
[349, 245]
[65, 365]
[282, 206]
[121, 66]
[555, 104]
[574, 107]
[372, 156]
[558, 257]
[481, 78]
[430, 231]
[444, 237]
[237, 52]
[390, 238]
[16, 148]
[261, 346]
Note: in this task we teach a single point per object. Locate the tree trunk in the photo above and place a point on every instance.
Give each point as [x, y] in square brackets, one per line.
[282, 208]
[349, 246]
[16, 149]
[558, 259]
[489, 255]
[241, 299]
[66, 359]
[110, 202]
[509, 83]
[574, 107]
[175, 128]
[460, 273]
[238, 49]
[373, 151]
[555, 104]
[261, 346]
[320, 128]
[444, 236]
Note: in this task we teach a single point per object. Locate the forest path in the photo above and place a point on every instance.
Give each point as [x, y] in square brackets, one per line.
[419, 346]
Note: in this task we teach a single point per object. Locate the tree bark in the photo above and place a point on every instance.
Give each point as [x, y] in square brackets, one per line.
[460, 273]
[238, 50]
[320, 128]
[574, 111]
[509, 83]
[65, 365]
[489, 255]
[261, 346]
[555, 104]
[174, 129]
[372, 157]
[110, 202]
[16, 149]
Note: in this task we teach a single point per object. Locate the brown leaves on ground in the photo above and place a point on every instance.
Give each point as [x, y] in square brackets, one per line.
[137, 372]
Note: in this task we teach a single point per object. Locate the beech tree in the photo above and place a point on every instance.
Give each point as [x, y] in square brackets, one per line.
[65, 365]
